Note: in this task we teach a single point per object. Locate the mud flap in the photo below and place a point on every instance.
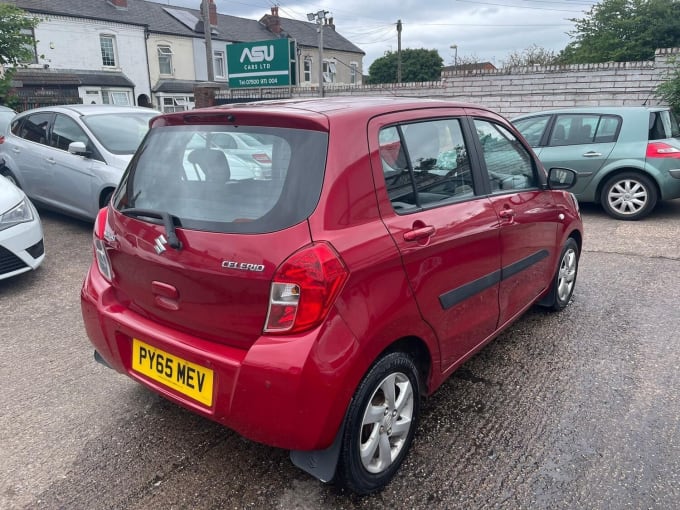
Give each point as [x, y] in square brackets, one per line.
[320, 464]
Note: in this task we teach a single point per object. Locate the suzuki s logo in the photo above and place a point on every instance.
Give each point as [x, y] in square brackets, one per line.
[258, 53]
[159, 244]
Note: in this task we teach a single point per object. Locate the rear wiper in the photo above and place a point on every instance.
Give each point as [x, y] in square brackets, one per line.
[167, 218]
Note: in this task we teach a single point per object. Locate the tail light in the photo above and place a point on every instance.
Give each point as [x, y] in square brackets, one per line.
[304, 289]
[2, 139]
[102, 231]
[662, 150]
[262, 158]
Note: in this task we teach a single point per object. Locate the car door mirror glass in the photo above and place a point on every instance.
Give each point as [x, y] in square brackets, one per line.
[561, 178]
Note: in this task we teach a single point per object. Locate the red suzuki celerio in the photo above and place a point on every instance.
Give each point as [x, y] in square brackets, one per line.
[312, 309]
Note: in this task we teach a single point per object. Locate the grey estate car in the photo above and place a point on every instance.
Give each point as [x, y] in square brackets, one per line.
[627, 157]
[70, 158]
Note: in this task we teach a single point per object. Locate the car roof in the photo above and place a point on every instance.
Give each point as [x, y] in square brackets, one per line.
[333, 106]
[6, 109]
[615, 110]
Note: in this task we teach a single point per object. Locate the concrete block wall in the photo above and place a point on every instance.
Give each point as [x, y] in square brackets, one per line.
[518, 90]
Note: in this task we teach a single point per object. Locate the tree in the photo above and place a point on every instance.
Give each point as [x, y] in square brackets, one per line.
[416, 65]
[533, 55]
[623, 30]
[669, 90]
[16, 43]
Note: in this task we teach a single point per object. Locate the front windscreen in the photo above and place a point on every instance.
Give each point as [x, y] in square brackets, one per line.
[206, 184]
[120, 133]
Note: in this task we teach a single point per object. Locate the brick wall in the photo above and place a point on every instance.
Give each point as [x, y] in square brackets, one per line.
[518, 90]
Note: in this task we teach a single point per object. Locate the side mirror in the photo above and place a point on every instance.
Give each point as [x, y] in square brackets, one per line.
[561, 178]
[78, 148]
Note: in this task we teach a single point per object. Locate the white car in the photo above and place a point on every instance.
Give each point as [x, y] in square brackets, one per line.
[21, 234]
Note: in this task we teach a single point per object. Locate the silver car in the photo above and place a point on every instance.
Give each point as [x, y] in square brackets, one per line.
[71, 158]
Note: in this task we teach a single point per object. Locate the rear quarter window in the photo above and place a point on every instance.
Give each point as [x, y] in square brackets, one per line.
[186, 172]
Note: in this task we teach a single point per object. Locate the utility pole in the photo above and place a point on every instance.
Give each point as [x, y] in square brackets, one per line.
[207, 31]
[398, 51]
[320, 18]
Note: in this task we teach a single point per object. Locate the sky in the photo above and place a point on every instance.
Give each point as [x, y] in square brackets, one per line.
[483, 30]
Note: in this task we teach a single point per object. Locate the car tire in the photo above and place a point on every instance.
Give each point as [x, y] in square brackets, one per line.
[381, 422]
[563, 283]
[629, 196]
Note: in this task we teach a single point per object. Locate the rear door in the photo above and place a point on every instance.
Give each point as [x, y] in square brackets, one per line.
[448, 234]
[30, 152]
[528, 217]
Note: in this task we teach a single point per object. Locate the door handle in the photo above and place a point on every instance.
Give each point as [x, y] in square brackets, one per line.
[507, 214]
[16, 149]
[51, 161]
[419, 233]
[592, 154]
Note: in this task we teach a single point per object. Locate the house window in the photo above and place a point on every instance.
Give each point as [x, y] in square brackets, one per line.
[108, 47]
[29, 46]
[218, 64]
[165, 59]
[171, 104]
[115, 97]
[328, 71]
[307, 69]
[353, 66]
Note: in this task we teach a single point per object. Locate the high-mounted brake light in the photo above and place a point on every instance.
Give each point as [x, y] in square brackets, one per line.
[304, 288]
[101, 232]
[662, 150]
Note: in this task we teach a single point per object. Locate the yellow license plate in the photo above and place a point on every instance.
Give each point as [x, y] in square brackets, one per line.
[188, 378]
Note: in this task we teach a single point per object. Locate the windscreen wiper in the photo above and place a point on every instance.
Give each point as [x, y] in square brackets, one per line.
[167, 218]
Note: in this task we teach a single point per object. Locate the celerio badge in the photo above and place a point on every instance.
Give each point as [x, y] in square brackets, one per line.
[242, 266]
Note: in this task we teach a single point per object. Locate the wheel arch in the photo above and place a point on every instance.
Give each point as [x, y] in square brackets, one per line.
[104, 195]
[621, 170]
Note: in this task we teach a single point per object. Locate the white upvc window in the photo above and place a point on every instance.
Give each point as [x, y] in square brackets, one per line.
[107, 44]
[30, 47]
[307, 70]
[171, 104]
[116, 97]
[329, 71]
[353, 69]
[165, 60]
[219, 66]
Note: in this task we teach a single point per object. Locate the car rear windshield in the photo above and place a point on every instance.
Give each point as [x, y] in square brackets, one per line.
[663, 124]
[182, 171]
[120, 133]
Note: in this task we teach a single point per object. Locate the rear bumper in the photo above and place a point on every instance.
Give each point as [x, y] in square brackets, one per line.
[286, 392]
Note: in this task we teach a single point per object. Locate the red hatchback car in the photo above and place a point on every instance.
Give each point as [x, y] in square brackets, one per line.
[313, 309]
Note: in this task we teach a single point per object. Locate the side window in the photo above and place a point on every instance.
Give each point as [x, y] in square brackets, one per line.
[65, 131]
[425, 164]
[35, 127]
[509, 165]
[607, 129]
[571, 129]
[532, 129]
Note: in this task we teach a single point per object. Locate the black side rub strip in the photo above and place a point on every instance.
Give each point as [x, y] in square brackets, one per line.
[453, 297]
[523, 264]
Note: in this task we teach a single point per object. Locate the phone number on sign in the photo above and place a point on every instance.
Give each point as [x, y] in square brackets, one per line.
[259, 81]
